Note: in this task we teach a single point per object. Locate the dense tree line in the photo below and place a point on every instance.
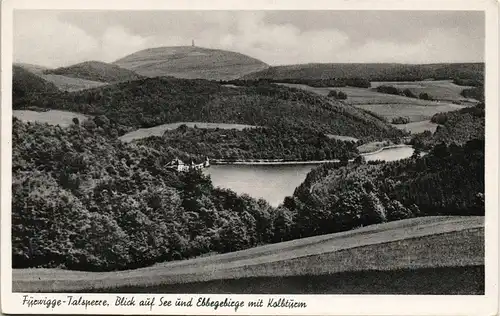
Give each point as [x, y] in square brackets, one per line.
[86, 201]
[154, 101]
[403, 92]
[401, 120]
[449, 180]
[372, 72]
[319, 83]
[339, 95]
[475, 82]
[276, 142]
[474, 93]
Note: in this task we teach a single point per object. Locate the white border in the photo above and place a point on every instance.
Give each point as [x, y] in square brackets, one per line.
[317, 304]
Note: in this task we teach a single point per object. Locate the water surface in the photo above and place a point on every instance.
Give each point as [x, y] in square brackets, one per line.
[274, 182]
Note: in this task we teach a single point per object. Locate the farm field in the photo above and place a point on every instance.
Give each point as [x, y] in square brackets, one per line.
[160, 129]
[364, 95]
[418, 243]
[444, 90]
[69, 84]
[52, 117]
[415, 113]
[418, 127]
[386, 105]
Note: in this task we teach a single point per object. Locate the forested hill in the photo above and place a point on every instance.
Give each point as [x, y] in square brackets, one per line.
[96, 71]
[373, 72]
[154, 101]
[82, 200]
[447, 181]
[274, 142]
[27, 86]
[456, 127]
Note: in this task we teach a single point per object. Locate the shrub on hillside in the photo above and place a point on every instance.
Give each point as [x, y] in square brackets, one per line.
[400, 120]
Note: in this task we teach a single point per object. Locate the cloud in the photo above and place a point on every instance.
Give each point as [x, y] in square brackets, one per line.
[42, 39]
[61, 38]
[117, 42]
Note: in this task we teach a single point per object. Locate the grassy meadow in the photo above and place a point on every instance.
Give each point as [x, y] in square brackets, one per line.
[160, 129]
[70, 84]
[51, 117]
[415, 113]
[443, 90]
[385, 105]
[418, 127]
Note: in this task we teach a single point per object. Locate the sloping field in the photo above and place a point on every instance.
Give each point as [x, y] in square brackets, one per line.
[428, 242]
[385, 105]
[364, 95]
[417, 127]
[69, 84]
[52, 117]
[415, 113]
[444, 90]
[160, 129]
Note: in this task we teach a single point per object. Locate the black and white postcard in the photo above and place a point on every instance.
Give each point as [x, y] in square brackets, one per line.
[249, 158]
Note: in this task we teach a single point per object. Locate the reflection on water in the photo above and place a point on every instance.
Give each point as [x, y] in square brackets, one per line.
[273, 183]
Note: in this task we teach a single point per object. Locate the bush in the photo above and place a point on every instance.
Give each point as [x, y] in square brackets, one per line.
[400, 120]
[339, 95]
[424, 96]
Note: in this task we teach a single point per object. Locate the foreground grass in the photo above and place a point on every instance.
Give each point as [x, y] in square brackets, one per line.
[429, 242]
[467, 280]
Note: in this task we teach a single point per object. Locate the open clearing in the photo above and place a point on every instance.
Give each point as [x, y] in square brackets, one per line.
[52, 117]
[69, 84]
[418, 127]
[373, 146]
[385, 105]
[160, 129]
[415, 113]
[419, 243]
[342, 138]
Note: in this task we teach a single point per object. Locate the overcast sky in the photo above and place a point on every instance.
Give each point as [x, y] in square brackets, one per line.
[61, 38]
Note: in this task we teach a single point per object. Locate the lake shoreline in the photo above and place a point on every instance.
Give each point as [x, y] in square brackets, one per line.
[264, 162]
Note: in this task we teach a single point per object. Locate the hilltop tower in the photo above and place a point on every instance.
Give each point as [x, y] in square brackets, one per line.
[192, 43]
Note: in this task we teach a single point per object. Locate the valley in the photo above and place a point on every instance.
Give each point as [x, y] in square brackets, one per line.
[302, 185]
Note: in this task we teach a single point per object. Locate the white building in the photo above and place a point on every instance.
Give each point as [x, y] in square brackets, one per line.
[180, 166]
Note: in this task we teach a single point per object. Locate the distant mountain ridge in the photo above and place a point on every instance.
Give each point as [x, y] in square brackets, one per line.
[191, 62]
[372, 71]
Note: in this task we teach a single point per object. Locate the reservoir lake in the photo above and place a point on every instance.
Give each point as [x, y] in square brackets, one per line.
[274, 182]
